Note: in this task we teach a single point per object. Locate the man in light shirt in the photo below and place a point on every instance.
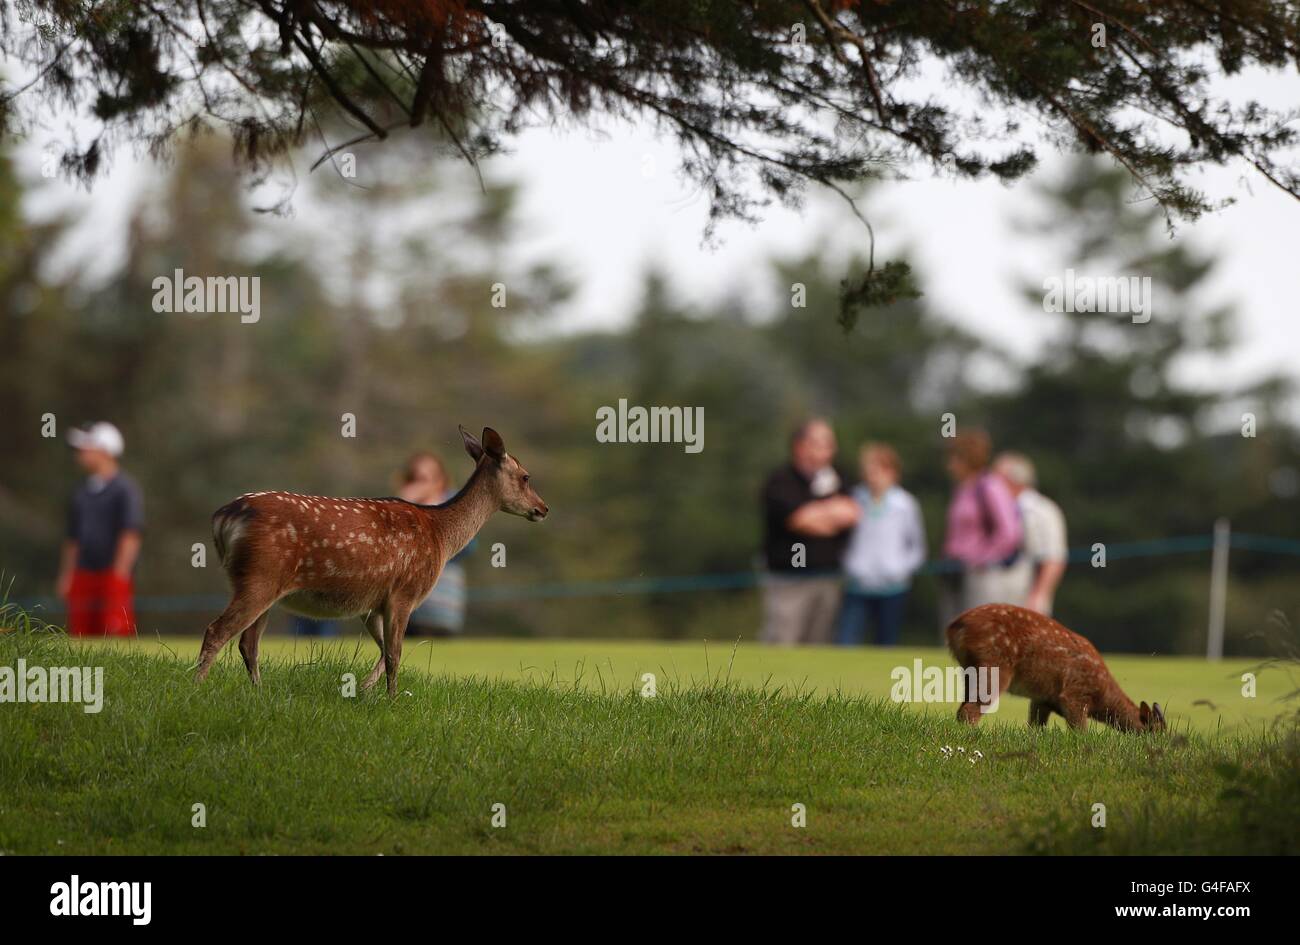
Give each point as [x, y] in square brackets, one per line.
[1045, 552]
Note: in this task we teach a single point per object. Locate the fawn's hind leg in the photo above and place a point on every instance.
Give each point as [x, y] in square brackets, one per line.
[374, 622]
[969, 710]
[248, 642]
[1039, 713]
[241, 613]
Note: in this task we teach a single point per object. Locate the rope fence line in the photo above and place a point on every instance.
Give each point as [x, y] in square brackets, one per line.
[739, 580]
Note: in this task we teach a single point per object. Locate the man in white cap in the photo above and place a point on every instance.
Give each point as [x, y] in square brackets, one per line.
[1039, 570]
[105, 520]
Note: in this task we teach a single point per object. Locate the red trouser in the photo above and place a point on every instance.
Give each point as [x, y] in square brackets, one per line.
[99, 605]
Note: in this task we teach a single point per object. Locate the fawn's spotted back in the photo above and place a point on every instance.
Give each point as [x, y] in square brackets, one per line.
[318, 536]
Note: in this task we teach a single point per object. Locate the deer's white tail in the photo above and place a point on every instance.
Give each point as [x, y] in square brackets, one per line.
[228, 524]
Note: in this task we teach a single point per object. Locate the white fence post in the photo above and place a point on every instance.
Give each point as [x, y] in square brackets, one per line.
[1218, 589]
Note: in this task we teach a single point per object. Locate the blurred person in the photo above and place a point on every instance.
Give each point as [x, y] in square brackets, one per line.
[984, 531]
[424, 481]
[884, 551]
[1042, 565]
[312, 627]
[807, 515]
[105, 522]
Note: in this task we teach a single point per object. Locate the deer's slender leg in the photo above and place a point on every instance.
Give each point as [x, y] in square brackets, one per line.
[248, 642]
[1039, 713]
[374, 622]
[239, 614]
[969, 710]
[394, 630]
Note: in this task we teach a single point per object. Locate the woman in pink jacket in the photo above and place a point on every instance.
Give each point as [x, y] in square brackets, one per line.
[984, 531]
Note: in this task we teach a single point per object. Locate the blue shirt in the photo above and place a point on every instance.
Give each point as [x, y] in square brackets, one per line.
[99, 513]
[887, 544]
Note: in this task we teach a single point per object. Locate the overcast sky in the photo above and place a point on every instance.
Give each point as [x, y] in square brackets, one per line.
[609, 203]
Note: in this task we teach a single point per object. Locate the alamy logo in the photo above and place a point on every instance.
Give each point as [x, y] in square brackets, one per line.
[651, 425]
[53, 684]
[102, 899]
[920, 683]
[182, 293]
[1123, 294]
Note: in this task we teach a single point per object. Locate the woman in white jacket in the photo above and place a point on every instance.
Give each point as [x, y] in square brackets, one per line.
[884, 551]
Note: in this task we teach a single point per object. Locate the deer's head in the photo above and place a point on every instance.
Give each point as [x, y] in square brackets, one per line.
[1152, 719]
[507, 479]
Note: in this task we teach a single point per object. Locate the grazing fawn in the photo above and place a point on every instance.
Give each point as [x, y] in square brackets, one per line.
[1054, 668]
[376, 559]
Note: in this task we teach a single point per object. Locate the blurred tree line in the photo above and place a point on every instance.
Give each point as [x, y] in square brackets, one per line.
[390, 318]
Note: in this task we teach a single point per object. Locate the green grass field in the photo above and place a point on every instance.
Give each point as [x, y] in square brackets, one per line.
[558, 733]
[1201, 696]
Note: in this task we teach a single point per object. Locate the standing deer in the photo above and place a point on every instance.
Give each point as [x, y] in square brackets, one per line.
[370, 558]
[1054, 668]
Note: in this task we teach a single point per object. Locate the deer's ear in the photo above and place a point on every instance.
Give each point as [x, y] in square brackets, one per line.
[1155, 711]
[1144, 712]
[472, 445]
[493, 445]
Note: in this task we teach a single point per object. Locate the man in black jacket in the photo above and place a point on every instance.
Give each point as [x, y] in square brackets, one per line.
[807, 515]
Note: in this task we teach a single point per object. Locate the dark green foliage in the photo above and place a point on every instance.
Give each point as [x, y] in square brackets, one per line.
[879, 288]
[763, 97]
